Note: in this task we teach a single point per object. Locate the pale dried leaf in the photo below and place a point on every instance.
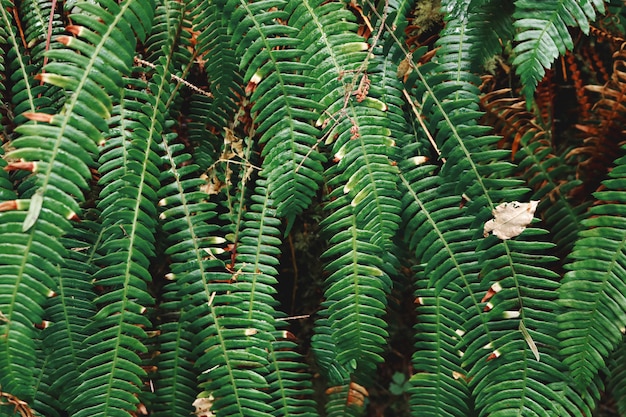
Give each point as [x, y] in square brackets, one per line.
[36, 202]
[510, 219]
[203, 406]
[213, 184]
[529, 340]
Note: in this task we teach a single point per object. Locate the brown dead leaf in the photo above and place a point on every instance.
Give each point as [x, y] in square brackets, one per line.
[236, 144]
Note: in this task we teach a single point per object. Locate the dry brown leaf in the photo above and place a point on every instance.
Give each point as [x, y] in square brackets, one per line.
[510, 219]
[236, 144]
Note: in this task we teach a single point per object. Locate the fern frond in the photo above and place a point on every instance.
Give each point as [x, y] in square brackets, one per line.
[27, 93]
[288, 378]
[192, 246]
[594, 313]
[112, 376]
[282, 107]
[500, 337]
[212, 21]
[209, 116]
[45, 402]
[617, 379]
[234, 345]
[543, 35]
[491, 21]
[439, 384]
[170, 32]
[354, 118]
[6, 187]
[71, 310]
[355, 290]
[448, 254]
[37, 18]
[324, 349]
[58, 153]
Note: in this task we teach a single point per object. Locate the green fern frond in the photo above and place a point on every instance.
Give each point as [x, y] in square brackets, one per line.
[356, 290]
[130, 167]
[234, 345]
[71, 310]
[594, 313]
[6, 187]
[543, 35]
[354, 118]
[45, 403]
[282, 107]
[193, 243]
[255, 262]
[491, 22]
[439, 385]
[324, 349]
[27, 93]
[209, 116]
[59, 154]
[448, 255]
[170, 31]
[617, 379]
[288, 378]
[37, 18]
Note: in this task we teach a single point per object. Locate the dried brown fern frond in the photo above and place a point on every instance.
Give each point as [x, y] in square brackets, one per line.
[584, 106]
[545, 96]
[605, 36]
[603, 131]
[592, 58]
[509, 118]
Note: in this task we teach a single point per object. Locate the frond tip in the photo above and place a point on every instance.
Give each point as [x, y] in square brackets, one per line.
[543, 34]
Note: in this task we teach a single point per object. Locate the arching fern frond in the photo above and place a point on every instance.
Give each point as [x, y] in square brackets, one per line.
[37, 19]
[594, 313]
[234, 346]
[288, 378]
[130, 168]
[70, 311]
[491, 21]
[356, 290]
[498, 338]
[210, 115]
[27, 94]
[282, 104]
[193, 243]
[543, 35]
[447, 254]
[354, 118]
[59, 152]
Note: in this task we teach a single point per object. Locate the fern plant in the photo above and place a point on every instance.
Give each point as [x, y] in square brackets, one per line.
[160, 157]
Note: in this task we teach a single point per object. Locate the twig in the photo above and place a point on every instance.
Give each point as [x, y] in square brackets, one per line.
[303, 316]
[175, 78]
[421, 122]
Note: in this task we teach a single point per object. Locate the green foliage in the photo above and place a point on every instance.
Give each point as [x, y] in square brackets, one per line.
[543, 34]
[157, 156]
